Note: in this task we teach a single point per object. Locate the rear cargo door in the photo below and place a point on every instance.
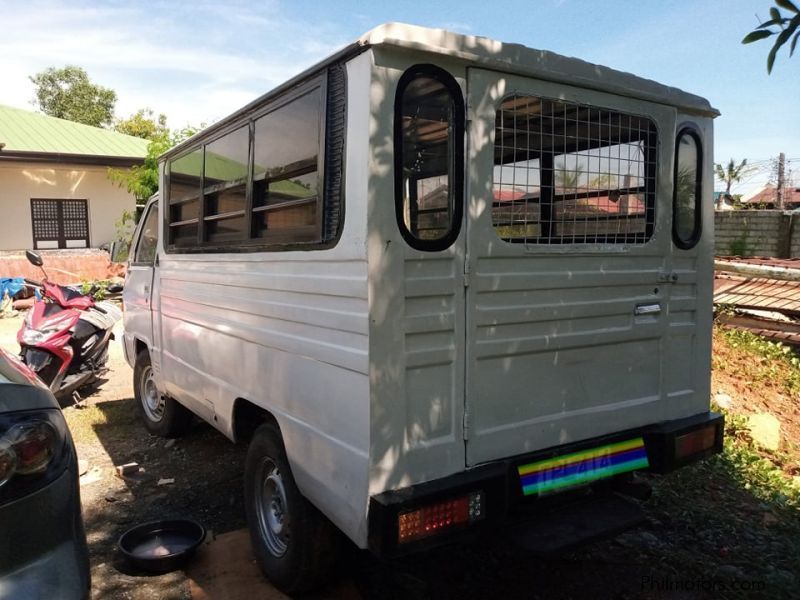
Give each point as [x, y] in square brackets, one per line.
[568, 263]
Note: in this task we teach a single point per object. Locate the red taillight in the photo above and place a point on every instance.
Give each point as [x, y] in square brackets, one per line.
[27, 449]
[8, 461]
[436, 518]
[695, 442]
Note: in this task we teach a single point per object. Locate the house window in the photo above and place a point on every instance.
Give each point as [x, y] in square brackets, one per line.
[429, 164]
[568, 173]
[59, 223]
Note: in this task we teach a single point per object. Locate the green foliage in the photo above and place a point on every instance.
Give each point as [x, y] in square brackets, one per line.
[143, 124]
[770, 354]
[142, 180]
[100, 288]
[739, 246]
[758, 471]
[68, 93]
[123, 234]
[785, 28]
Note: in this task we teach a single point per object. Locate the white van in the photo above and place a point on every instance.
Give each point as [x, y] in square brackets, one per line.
[437, 281]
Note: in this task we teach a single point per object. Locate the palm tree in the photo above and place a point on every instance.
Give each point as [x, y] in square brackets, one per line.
[730, 174]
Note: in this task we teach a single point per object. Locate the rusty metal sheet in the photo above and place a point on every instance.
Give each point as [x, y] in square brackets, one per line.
[763, 294]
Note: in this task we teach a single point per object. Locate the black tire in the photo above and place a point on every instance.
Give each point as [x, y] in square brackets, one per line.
[294, 544]
[161, 415]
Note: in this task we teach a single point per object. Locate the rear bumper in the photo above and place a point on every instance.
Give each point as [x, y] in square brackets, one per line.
[668, 446]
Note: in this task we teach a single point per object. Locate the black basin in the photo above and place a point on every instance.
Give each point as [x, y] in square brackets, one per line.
[161, 546]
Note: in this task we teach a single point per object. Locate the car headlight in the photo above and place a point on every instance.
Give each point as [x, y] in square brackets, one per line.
[33, 337]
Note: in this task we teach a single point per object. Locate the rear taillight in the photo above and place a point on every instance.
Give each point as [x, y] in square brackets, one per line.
[440, 517]
[695, 442]
[34, 450]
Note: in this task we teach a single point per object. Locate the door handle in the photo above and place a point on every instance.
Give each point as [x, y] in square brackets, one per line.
[647, 309]
[146, 289]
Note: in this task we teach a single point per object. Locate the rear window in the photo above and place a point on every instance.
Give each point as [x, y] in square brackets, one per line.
[572, 173]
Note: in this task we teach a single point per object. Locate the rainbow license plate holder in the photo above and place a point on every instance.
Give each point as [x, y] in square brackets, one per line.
[582, 467]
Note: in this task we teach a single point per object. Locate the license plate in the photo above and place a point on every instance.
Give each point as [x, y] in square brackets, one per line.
[585, 466]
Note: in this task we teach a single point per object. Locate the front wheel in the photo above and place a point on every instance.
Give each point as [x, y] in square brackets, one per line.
[293, 543]
[162, 416]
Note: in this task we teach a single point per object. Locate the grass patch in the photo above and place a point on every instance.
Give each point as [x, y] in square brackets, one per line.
[774, 362]
[84, 422]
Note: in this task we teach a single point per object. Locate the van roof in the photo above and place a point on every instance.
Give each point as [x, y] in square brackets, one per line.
[490, 54]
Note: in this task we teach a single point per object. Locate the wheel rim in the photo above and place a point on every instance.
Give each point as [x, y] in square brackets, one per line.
[152, 402]
[271, 508]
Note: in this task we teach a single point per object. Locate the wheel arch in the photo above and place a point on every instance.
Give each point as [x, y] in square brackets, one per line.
[247, 417]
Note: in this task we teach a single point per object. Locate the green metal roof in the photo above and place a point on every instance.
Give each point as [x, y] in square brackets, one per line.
[25, 131]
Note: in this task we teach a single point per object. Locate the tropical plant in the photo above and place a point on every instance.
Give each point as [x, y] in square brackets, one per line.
[568, 179]
[142, 180]
[786, 27]
[731, 173]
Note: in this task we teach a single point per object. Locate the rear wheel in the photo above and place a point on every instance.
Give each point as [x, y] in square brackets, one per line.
[293, 542]
[161, 415]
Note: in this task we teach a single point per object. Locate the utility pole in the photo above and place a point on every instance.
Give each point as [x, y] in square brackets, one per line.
[781, 177]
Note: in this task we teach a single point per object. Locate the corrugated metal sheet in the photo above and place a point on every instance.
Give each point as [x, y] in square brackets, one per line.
[763, 294]
[25, 131]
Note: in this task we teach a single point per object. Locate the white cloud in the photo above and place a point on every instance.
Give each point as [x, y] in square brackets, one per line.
[195, 64]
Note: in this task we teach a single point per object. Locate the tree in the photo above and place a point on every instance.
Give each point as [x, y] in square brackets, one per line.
[142, 180]
[786, 27]
[730, 174]
[68, 93]
[143, 124]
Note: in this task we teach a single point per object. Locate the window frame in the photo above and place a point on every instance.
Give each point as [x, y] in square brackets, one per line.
[692, 130]
[280, 242]
[456, 160]
[134, 251]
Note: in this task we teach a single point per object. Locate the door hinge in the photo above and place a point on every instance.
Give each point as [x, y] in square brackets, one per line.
[465, 425]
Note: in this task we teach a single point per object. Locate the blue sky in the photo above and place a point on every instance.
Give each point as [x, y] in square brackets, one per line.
[200, 61]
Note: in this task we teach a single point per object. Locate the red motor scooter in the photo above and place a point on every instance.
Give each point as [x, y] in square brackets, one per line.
[64, 338]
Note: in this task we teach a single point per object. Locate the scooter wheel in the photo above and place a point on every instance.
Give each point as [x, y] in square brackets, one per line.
[161, 415]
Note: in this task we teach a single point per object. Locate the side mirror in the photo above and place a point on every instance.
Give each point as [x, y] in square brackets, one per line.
[34, 258]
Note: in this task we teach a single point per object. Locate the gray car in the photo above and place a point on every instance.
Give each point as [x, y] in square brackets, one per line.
[43, 552]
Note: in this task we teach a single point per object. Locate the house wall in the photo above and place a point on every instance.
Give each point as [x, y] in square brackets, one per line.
[19, 182]
[745, 233]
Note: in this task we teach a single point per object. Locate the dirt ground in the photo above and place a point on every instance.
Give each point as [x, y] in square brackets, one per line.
[674, 555]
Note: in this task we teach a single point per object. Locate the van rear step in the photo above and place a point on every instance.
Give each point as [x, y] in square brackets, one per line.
[593, 517]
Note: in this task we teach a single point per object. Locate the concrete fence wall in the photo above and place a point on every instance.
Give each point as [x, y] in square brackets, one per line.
[757, 233]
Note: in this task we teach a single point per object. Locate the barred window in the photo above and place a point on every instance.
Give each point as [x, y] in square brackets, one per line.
[572, 173]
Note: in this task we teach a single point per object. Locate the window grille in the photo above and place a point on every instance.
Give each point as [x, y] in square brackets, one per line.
[60, 223]
[572, 173]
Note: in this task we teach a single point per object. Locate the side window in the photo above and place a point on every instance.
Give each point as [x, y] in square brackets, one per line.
[148, 238]
[286, 184]
[429, 163]
[185, 176]
[688, 186]
[225, 171]
[273, 182]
